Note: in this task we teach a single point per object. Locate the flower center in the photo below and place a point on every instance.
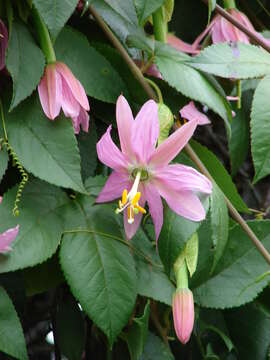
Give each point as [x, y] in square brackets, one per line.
[130, 201]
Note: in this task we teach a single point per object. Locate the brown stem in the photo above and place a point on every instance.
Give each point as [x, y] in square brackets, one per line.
[137, 73]
[253, 35]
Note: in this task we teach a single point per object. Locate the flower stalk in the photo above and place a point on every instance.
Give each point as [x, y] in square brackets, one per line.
[44, 37]
[160, 26]
[229, 4]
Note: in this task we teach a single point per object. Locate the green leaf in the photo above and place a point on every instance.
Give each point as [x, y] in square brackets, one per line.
[3, 163]
[219, 223]
[47, 149]
[250, 330]
[96, 74]
[156, 349]
[232, 282]
[189, 81]
[260, 129]
[95, 184]
[152, 280]
[70, 328]
[12, 340]
[120, 16]
[145, 8]
[25, 62]
[239, 142]
[55, 13]
[42, 213]
[140, 41]
[106, 283]
[239, 61]
[87, 145]
[137, 334]
[43, 277]
[220, 175]
[175, 232]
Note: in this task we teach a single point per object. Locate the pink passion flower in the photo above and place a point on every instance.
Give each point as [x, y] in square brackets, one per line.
[183, 314]
[3, 44]
[58, 89]
[7, 237]
[141, 172]
[221, 30]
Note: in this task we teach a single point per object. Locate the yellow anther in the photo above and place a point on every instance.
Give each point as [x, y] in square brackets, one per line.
[141, 209]
[124, 197]
[130, 215]
[136, 199]
[120, 204]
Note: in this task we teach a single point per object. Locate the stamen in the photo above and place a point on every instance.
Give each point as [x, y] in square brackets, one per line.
[130, 215]
[124, 197]
[136, 199]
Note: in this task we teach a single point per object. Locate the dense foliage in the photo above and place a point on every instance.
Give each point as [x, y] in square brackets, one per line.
[140, 253]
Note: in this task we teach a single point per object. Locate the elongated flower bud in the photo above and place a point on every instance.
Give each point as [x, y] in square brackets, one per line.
[183, 314]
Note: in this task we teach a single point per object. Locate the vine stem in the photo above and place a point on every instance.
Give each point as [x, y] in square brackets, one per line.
[139, 76]
[254, 36]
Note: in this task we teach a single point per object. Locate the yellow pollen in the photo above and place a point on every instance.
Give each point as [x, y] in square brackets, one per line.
[136, 198]
[124, 197]
[141, 209]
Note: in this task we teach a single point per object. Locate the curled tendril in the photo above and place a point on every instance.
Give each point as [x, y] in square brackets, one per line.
[23, 173]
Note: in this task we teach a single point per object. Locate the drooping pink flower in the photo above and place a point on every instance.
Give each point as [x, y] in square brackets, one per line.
[3, 43]
[141, 172]
[221, 30]
[190, 112]
[7, 237]
[180, 45]
[58, 89]
[183, 314]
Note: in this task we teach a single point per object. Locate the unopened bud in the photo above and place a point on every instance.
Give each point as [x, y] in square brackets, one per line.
[165, 118]
[183, 314]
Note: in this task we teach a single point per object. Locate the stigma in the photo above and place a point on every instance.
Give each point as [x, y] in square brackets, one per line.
[130, 201]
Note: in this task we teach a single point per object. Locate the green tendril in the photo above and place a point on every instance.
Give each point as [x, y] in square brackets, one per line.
[23, 173]
[16, 162]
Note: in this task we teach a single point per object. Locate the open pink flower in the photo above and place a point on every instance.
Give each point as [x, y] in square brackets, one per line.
[221, 30]
[58, 89]
[3, 44]
[7, 237]
[183, 314]
[141, 172]
[190, 112]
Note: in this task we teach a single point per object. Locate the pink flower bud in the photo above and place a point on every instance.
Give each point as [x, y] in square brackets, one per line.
[58, 89]
[3, 43]
[183, 314]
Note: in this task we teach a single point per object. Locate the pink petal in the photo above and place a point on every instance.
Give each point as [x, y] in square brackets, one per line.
[50, 92]
[115, 185]
[125, 122]
[74, 85]
[7, 238]
[167, 151]
[155, 207]
[183, 203]
[190, 112]
[216, 31]
[82, 119]
[184, 178]
[1, 198]
[130, 229]
[153, 71]
[203, 34]
[3, 44]
[109, 154]
[145, 131]
[183, 314]
[70, 105]
[180, 45]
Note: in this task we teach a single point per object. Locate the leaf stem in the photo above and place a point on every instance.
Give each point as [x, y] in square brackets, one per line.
[133, 67]
[252, 34]
[157, 90]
